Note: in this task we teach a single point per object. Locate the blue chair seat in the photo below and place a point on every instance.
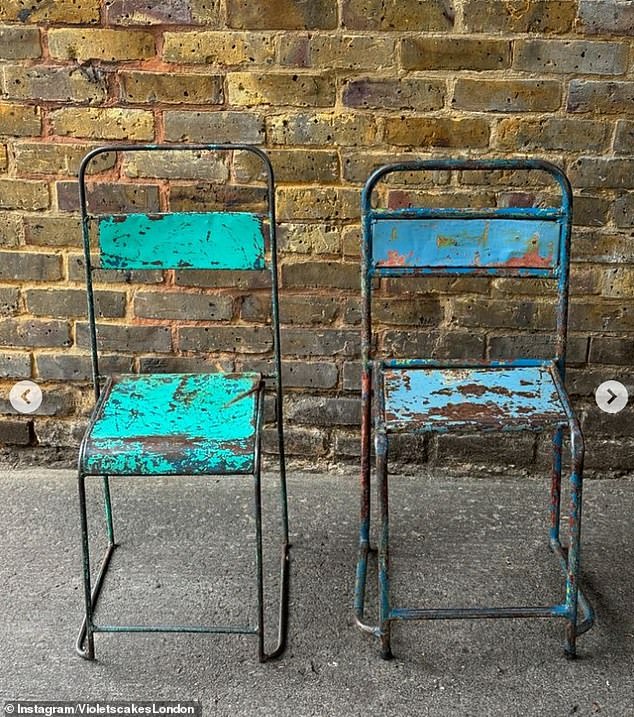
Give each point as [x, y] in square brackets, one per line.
[174, 424]
[474, 398]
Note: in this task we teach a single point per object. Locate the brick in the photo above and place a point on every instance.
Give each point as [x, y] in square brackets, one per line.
[60, 435]
[415, 311]
[603, 248]
[517, 449]
[454, 53]
[597, 422]
[54, 84]
[436, 285]
[297, 374]
[23, 266]
[571, 56]
[570, 135]
[109, 198]
[76, 367]
[624, 137]
[347, 129]
[232, 339]
[624, 211]
[282, 15]
[76, 273]
[213, 127]
[330, 274]
[297, 442]
[434, 343]
[46, 230]
[324, 203]
[20, 120]
[147, 12]
[611, 350]
[33, 333]
[171, 88]
[590, 211]
[52, 158]
[349, 52]
[605, 97]
[15, 365]
[309, 239]
[294, 166]
[4, 158]
[9, 301]
[24, 194]
[524, 314]
[100, 44]
[599, 316]
[62, 303]
[436, 132]
[519, 16]
[118, 337]
[602, 172]
[359, 164]
[305, 309]
[43, 11]
[325, 411]
[211, 197]
[15, 433]
[177, 165]
[507, 95]
[108, 123]
[299, 90]
[11, 230]
[226, 49]
[221, 279]
[395, 94]
[320, 342]
[608, 456]
[184, 364]
[180, 305]
[533, 345]
[388, 15]
[57, 401]
[619, 282]
[403, 199]
[609, 17]
[19, 43]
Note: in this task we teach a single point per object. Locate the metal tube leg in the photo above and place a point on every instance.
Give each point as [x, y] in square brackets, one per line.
[89, 651]
[258, 561]
[107, 505]
[383, 557]
[555, 486]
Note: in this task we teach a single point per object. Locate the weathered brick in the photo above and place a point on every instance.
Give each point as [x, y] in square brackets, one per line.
[454, 53]
[171, 88]
[295, 374]
[63, 84]
[19, 43]
[309, 238]
[180, 305]
[20, 120]
[608, 456]
[15, 433]
[507, 95]
[347, 129]
[611, 350]
[596, 422]
[624, 137]
[604, 248]
[62, 303]
[403, 199]
[76, 273]
[45, 230]
[100, 123]
[282, 15]
[436, 285]
[18, 266]
[543, 16]
[45, 11]
[523, 314]
[517, 449]
[601, 97]
[551, 133]
[51, 432]
[299, 90]
[395, 94]
[185, 364]
[147, 12]
[433, 343]
[305, 309]
[297, 442]
[56, 158]
[348, 52]
[331, 274]
[322, 411]
[212, 197]
[228, 49]
[619, 282]
[320, 342]
[590, 211]
[57, 401]
[624, 211]
[11, 230]
[109, 198]
[325, 203]
[415, 311]
[305, 166]
[118, 337]
[100, 44]
[609, 17]
[177, 165]
[24, 194]
[436, 132]
[213, 127]
[4, 158]
[387, 15]
[571, 56]
[15, 365]
[9, 301]
[600, 316]
[233, 339]
[78, 367]
[222, 279]
[533, 345]
[33, 333]
[358, 164]
[615, 173]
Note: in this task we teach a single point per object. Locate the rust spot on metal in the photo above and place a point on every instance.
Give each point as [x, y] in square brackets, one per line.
[395, 259]
[531, 258]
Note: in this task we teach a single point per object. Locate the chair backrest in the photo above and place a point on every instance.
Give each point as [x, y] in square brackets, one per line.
[208, 240]
[500, 242]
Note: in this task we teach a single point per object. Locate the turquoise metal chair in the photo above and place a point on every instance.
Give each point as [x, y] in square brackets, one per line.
[180, 424]
[427, 395]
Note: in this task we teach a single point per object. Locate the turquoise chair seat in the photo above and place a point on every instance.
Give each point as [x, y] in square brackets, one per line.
[174, 424]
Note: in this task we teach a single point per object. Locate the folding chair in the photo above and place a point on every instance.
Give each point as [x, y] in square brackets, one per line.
[419, 395]
[180, 424]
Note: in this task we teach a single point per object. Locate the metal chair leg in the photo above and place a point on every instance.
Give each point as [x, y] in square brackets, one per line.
[555, 487]
[384, 550]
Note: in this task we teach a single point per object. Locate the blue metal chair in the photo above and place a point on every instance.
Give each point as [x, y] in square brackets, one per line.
[426, 395]
[180, 424]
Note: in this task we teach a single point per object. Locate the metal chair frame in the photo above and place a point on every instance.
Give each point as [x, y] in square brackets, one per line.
[85, 639]
[375, 370]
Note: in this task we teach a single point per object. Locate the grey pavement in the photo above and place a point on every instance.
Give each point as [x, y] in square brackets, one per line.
[185, 556]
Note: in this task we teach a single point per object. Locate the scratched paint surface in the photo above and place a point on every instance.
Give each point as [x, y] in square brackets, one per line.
[185, 240]
[437, 399]
[466, 243]
[175, 424]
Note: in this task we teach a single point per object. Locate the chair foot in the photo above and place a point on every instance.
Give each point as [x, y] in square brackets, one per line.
[387, 654]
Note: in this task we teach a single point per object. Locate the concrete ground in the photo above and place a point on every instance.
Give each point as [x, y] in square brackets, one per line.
[186, 555]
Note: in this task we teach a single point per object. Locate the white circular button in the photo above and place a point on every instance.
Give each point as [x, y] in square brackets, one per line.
[25, 396]
[611, 396]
